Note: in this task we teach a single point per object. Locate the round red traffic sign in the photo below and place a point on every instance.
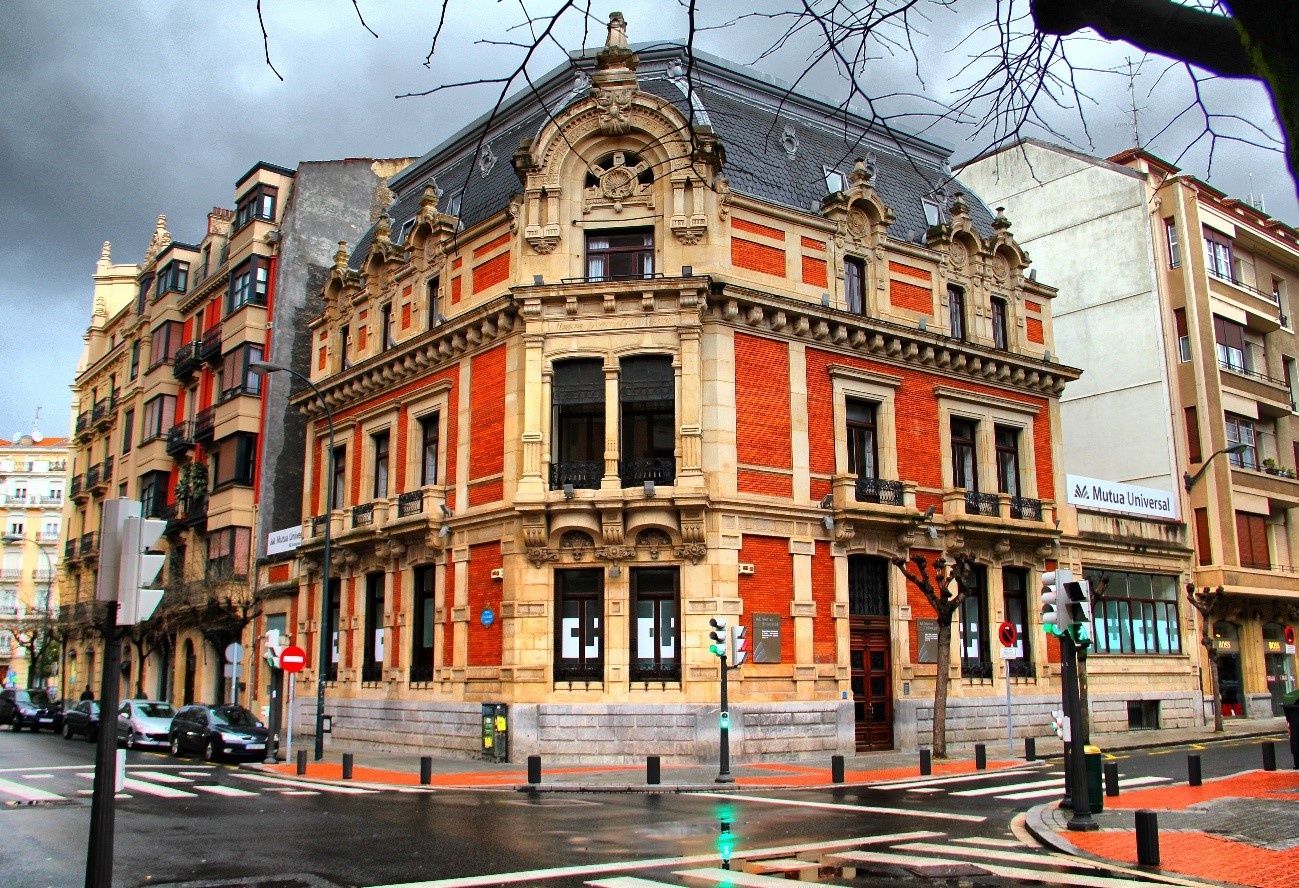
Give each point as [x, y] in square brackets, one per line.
[293, 658]
[1006, 634]
[1289, 635]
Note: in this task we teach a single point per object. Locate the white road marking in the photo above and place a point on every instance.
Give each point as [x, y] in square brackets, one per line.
[925, 790]
[898, 859]
[153, 789]
[1009, 787]
[230, 791]
[909, 782]
[322, 787]
[991, 843]
[998, 855]
[297, 792]
[38, 776]
[28, 793]
[855, 809]
[207, 773]
[626, 882]
[1042, 793]
[735, 877]
[160, 777]
[49, 768]
[565, 872]
[1082, 880]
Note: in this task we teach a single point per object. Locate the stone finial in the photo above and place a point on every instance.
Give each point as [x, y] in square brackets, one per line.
[106, 254]
[615, 57]
[1000, 222]
[383, 233]
[160, 240]
[340, 258]
[959, 207]
[428, 201]
[617, 31]
[863, 171]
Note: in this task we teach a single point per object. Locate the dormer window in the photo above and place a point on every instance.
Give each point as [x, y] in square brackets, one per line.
[834, 181]
[257, 203]
[403, 233]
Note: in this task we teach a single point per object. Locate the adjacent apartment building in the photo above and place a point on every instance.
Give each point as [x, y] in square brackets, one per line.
[1186, 332]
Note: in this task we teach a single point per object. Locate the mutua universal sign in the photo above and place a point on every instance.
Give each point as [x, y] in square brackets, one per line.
[1109, 496]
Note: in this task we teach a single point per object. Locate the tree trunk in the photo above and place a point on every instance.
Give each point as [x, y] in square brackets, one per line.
[1213, 687]
[939, 741]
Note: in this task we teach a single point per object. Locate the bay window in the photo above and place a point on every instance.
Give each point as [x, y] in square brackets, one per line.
[249, 284]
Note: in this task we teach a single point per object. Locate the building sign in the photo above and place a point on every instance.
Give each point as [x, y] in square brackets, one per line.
[1110, 496]
[766, 642]
[284, 540]
[927, 632]
[1226, 646]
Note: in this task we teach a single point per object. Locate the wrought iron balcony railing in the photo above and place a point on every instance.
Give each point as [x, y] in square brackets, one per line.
[1025, 509]
[635, 472]
[363, 515]
[877, 490]
[582, 475]
[410, 503]
[986, 504]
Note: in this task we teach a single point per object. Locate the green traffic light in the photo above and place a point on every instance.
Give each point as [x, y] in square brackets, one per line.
[726, 720]
[715, 649]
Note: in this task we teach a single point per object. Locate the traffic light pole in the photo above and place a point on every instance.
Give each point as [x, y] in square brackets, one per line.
[1081, 821]
[724, 758]
[99, 855]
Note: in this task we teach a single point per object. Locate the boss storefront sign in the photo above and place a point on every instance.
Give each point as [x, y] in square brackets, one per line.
[1109, 496]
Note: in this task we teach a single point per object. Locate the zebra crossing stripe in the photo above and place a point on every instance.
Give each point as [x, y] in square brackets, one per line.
[991, 843]
[738, 878]
[913, 783]
[229, 791]
[1042, 793]
[856, 809]
[1082, 880]
[160, 777]
[625, 882]
[28, 793]
[997, 790]
[995, 854]
[322, 787]
[153, 789]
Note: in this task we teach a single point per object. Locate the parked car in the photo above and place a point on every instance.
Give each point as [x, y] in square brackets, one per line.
[82, 719]
[217, 732]
[29, 707]
[144, 723]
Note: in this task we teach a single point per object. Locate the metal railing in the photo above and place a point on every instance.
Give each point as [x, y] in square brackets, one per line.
[1254, 374]
[421, 672]
[876, 490]
[363, 514]
[186, 360]
[93, 476]
[78, 485]
[204, 423]
[410, 503]
[577, 670]
[1025, 509]
[180, 437]
[106, 474]
[89, 543]
[582, 475]
[209, 346]
[637, 471]
[70, 549]
[986, 504]
[371, 672]
[648, 670]
[83, 421]
[318, 524]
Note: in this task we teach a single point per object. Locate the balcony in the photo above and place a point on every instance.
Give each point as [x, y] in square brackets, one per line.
[1264, 314]
[83, 423]
[1281, 489]
[205, 424]
[89, 544]
[876, 490]
[186, 360]
[1272, 395]
[987, 505]
[94, 478]
[581, 475]
[363, 515]
[180, 438]
[194, 510]
[635, 472]
[1024, 509]
[209, 347]
[99, 412]
[410, 503]
[70, 552]
[78, 489]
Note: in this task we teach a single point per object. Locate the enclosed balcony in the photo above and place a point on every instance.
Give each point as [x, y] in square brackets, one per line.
[180, 438]
[186, 360]
[209, 347]
[205, 424]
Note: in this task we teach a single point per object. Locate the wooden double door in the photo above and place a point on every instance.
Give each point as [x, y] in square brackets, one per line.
[872, 682]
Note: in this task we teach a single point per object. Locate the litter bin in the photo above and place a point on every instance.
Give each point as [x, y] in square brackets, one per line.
[496, 738]
[1095, 788]
[1291, 710]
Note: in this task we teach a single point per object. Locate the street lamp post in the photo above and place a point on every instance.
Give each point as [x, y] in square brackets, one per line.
[263, 368]
[1188, 480]
[39, 656]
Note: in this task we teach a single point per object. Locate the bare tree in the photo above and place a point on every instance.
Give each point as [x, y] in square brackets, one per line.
[936, 586]
[1207, 601]
[34, 634]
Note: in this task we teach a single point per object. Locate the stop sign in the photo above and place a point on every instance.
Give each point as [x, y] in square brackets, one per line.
[293, 658]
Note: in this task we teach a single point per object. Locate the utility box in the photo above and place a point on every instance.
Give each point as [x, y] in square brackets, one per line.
[1095, 788]
[1291, 711]
[496, 732]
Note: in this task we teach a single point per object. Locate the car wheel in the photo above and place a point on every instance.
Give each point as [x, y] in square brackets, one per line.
[175, 745]
[210, 751]
[67, 731]
[130, 740]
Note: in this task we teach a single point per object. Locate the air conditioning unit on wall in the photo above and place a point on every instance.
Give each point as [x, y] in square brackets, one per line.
[746, 569]
[498, 573]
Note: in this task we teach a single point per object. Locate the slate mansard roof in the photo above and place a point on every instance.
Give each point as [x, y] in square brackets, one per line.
[778, 145]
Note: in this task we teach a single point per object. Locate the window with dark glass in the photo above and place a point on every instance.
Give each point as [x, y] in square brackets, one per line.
[429, 431]
[234, 460]
[135, 359]
[1000, 332]
[159, 417]
[868, 586]
[385, 327]
[863, 454]
[620, 254]
[372, 643]
[577, 397]
[380, 488]
[1241, 431]
[236, 377]
[128, 430]
[647, 396]
[142, 297]
[956, 312]
[1136, 613]
[1174, 250]
[173, 278]
[1193, 435]
[163, 342]
[854, 284]
[964, 467]
[338, 475]
[1251, 539]
[248, 284]
[257, 203]
[1007, 444]
[153, 493]
[421, 634]
[434, 308]
[1217, 254]
[655, 630]
[579, 625]
[227, 553]
[976, 658]
[344, 342]
[1183, 338]
[1230, 339]
[334, 608]
[1014, 585]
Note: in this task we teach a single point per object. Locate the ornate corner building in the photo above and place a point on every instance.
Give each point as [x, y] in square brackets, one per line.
[639, 352]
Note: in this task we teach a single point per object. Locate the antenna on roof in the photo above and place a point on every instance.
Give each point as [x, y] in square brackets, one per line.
[1134, 110]
[1256, 202]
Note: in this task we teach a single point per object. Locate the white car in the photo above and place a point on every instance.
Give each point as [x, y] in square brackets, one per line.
[144, 723]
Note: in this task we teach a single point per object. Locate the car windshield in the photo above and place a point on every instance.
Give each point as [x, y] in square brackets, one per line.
[235, 716]
[36, 698]
[154, 710]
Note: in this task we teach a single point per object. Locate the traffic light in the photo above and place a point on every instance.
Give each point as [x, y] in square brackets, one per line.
[739, 644]
[114, 513]
[1060, 724]
[1053, 620]
[718, 636]
[138, 568]
[1080, 604]
[272, 647]
[725, 842]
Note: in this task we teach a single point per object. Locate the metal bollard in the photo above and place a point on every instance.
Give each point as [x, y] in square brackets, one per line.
[425, 770]
[1269, 756]
[1111, 779]
[534, 769]
[302, 762]
[926, 763]
[1147, 838]
[652, 770]
[1030, 749]
[836, 769]
[347, 766]
[1193, 770]
[980, 757]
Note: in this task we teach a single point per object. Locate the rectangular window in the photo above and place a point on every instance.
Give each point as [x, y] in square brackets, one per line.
[579, 627]
[1136, 613]
[234, 461]
[135, 359]
[429, 430]
[1007, 443]
[372, 643]
[174, 278]
[621, 254]
[1174, 253]
[385, 327]
[1014, 585]
[236, 378]
[647, 394]
[854, 284]
[1183, 340]
[163, 342]
[257, 203]
[863, 452]
[956, 312]
[334, 609]
[159, 417]
[434, 307]
[227, 553]
[142, 297]
[338, 476]
[249, 284]
[1251, 538]
[1288, 369]
[976, 657]
[344, 342]
[380, 441]
[1000, 333]
[1217, 252]
[655, 630]
[1230, 339]
[421, 633]
[128, 430]
[153, 493]
[1203, 542]
[577, 395]
[1193, 452]
[965, 472]
[1241, 431]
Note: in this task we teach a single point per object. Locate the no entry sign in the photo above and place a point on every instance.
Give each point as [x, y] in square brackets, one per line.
[1006, 634]
[293, 658]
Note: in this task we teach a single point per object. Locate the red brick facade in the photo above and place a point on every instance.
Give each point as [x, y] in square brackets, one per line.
[770, 589]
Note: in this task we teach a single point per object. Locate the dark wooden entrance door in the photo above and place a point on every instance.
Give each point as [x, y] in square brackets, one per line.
[872, 683]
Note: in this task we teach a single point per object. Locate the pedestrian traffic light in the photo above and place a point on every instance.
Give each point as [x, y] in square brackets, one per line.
[1080, 602]
[138, 568]
[718, 636]
[1053, 620]
[1060, 724]
[739, 644]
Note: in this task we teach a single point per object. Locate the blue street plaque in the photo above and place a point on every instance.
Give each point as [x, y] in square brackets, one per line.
[488, 616]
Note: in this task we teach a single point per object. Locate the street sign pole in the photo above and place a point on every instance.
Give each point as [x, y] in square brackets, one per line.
[1007, 636]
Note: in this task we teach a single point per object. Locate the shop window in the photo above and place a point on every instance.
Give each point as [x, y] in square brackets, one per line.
[579, 627]
[655, 630]
[577, 394]
[421, 633]
[333, 607]
[1014, 585]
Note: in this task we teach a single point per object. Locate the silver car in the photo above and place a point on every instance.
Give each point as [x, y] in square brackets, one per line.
[144, 722]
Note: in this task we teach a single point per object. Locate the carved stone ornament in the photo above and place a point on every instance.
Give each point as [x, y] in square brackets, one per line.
[694, 552]
[615, 553]
[539, 556]
[653, 540]
[958, 254]
[1000, 267]
[614, 105]
[160, 241]
[486, 160]
[577, 544]
[618, 184]
[858, 223]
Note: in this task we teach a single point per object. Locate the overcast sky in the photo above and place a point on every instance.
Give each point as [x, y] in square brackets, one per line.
[116, 112]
